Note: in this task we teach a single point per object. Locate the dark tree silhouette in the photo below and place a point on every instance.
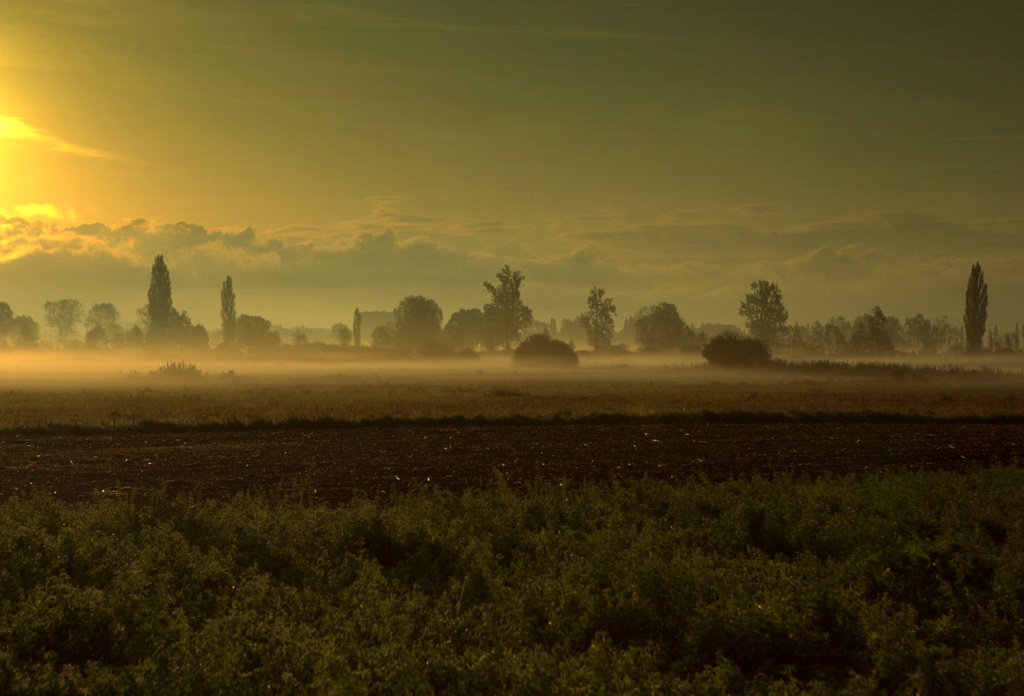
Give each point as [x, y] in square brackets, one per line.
[541, 349]
[661, 328]
[357, 328]
[732, 350]
[6, 321]
[227, 312]
[63, 315]
[763, 310]
[506, 314]
[871, 333]
[160, 309]
[599, 319]
[465, 328]
[417, 322]
[976, 309]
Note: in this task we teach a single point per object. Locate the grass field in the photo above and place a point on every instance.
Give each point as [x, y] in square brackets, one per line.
[357, 396]
[892, 582]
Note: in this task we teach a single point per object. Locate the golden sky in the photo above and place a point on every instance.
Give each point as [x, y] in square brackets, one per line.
[332, 154]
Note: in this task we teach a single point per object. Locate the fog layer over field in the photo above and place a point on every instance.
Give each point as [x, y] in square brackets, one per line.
[43, 390]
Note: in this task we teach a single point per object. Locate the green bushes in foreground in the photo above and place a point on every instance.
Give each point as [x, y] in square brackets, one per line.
[900, 582]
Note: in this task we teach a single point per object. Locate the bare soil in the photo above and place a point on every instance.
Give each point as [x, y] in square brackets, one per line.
[333, 465]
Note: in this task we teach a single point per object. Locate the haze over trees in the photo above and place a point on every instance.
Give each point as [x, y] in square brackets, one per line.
[764, 312]
[506, 314]
[63, 315]
[102, 324]
[599, 320]
[357, 328]
[976, 309]
[342, 334]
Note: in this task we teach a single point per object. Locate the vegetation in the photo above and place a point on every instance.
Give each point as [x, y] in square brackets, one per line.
[417, 323]
[599, 320]
[179, 370]
[63, 315]
[506, 315]
[891, 583]
[733, 350]
[541, 349]
[228, 320]
[660, 328]
[976, 308]
[763, 311]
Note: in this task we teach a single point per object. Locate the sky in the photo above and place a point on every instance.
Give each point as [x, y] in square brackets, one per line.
[335, 154]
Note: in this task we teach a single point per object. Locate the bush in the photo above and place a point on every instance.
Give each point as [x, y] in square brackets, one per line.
[542, 349]
[732, 350]
[178, 370]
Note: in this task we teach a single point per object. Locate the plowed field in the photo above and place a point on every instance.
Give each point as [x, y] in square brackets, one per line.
[335, 464]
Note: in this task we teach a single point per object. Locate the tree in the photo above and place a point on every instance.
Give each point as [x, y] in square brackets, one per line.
[871, 333]
[661, 328]
[506, 312]
[102, 324]
[730, 349]
[254, 332]
[103, 315]
[357, 328]
[976, 309]
[383, 336]
[63, 315]
[417, 322]
[599, 319]
[541, 349]
[465, 328]
[763, 310]
[342, 333]
[6, 321]
[228, 320]
[160, 309]
[25, 331]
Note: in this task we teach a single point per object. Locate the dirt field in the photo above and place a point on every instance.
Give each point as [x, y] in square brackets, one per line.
[333, 465]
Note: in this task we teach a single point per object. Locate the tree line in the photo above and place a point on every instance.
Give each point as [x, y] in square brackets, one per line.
[416, 326]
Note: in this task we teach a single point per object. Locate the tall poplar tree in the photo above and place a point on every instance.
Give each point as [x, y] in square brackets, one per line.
[976, 309]
[227, 311]
[160, 307]
[357, 328]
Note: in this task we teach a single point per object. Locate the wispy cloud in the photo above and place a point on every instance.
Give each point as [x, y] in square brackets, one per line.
[14, 128]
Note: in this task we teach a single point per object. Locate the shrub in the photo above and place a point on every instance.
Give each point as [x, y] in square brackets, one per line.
[180, 370]
[542, 349]
[732, 350]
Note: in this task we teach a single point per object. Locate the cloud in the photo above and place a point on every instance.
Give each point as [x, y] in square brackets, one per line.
[13, 128]
[908, 263]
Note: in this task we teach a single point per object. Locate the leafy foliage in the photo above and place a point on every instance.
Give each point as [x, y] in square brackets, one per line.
[896, 583]
[661, 328]
[542, 349]
[733, 350]
[763, 310]
[506, 315]
[599, 320]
